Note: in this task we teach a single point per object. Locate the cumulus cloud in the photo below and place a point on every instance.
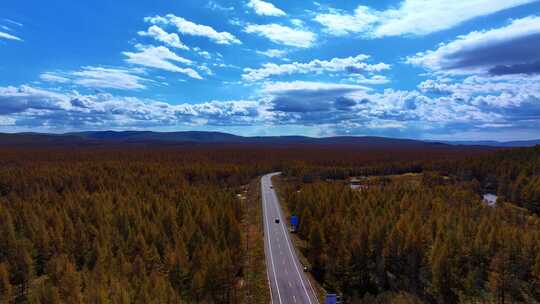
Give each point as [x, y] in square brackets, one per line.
[170, 39]
[512, 49]
[509, 90]
[513, 100]
[351, 65]
[187, 27]
[440, 106]
[160, 57]
[350, 110]
[27, 106]
[416, 17]
[264, 8]
[283, 34]
[472, 105]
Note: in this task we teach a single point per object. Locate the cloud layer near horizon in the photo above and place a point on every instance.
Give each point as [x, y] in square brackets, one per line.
[477, 103]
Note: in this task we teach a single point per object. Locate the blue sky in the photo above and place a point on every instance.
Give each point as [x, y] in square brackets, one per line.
[402, 68]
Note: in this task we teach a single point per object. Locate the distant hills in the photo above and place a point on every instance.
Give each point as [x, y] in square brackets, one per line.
[201, 137]
[507, 144]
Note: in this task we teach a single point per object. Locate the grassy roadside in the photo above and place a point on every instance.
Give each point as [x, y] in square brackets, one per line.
[256, 280]
[299, 244]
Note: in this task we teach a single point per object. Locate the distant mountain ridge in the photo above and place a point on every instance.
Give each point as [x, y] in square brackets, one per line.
[203, 137]
[492, 143]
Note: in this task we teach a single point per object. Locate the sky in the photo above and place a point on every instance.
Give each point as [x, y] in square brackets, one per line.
[424, 69]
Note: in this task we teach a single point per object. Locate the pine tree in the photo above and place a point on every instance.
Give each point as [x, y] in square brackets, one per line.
[442, 273]
[5, 285]
[500, 276]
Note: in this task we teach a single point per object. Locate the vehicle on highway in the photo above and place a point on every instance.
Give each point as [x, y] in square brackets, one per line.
[277, 221]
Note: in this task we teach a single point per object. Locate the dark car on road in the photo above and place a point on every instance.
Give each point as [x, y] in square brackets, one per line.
[277, 221]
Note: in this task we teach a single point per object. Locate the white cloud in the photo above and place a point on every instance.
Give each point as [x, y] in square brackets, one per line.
[6, 121]
[170, 39]
[283, 34]
[187, 27]
[352, 65]
[9, 36]
[297, 22]
[474, 105]
[273, 88]
[497, 91]
[13, 22]
[52, 77]
[353, 108]
[273, 53]
[514, 47]
[27, 106]
[204, 54]
[373, 80]
[206, 69]
[342, 24]
[98, 77]
[161, 58]
[417, 17]
[264, 8]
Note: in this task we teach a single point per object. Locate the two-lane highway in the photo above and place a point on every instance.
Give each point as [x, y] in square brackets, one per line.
[288, 282]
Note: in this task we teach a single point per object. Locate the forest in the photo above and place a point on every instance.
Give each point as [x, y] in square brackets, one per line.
[165, 224]
[121, 226]
[429, 239]
[514, 175]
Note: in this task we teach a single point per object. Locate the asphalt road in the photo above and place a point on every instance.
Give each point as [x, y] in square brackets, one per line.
[288, 282]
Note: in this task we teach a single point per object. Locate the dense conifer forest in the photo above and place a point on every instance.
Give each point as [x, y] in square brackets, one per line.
[425, 238]
[149, 224]
[121, 226]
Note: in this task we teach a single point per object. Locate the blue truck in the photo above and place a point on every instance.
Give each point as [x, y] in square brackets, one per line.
[332, 298]
[294, 223]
